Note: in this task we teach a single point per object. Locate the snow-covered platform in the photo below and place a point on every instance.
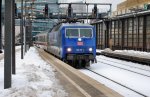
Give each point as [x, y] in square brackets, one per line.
[34, 78]
[85, 84]
[130, 55]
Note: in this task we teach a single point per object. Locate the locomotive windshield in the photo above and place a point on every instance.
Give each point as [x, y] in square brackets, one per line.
[72, 32]
[81, 32]
[86, 33]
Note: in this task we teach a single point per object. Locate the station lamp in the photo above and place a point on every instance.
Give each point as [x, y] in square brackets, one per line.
[69, 11]
[46, 9]
[15, 8]
[95, 10]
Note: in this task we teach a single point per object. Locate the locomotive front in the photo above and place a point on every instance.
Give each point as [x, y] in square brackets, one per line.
[80, 45]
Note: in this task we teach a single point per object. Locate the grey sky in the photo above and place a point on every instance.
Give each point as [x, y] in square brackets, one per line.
[114, 2]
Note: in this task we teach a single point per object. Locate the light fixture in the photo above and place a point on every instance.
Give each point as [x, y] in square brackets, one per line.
[69, 49]
[90, 49]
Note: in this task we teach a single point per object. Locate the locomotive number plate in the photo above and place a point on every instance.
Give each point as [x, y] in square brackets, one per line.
[80, 50]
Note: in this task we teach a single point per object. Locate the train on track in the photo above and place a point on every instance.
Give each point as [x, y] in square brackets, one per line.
[74, 43]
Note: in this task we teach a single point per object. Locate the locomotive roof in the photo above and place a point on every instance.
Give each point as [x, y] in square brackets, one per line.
[75, 24]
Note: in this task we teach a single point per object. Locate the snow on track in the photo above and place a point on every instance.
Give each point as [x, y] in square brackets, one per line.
[123, 91]
[125, 67]
[125, 63]
[135, 81]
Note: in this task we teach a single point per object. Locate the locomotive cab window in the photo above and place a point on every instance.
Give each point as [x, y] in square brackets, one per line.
[81, 32]
[87, 33]
[72, 33]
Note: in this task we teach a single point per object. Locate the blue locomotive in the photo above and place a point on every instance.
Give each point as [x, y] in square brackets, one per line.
[74, 43]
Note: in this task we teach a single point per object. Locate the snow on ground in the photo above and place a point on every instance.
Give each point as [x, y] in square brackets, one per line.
[34, 78]
[123, 91]
[18, 47]
[134, 81]
[125, 63]
[2, 54]
[133, 53]
[139, 83]
[130, 53]
[99, 51]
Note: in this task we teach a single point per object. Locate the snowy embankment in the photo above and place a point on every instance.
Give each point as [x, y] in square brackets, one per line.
[34, 78]
[129, 53]
[133, 53]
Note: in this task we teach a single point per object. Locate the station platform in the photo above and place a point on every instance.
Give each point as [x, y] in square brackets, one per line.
[75, 82]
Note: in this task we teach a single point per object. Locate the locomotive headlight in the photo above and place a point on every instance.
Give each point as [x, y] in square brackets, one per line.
[79, 39]
[69, 49]
[90, 49]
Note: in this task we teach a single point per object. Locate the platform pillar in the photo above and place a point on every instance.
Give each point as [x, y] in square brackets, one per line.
[1, 27]
[21, 29]
[8, 44]
[13, 39]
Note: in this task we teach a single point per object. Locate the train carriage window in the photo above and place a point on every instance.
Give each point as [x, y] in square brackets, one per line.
[87, 33]
[72, 33]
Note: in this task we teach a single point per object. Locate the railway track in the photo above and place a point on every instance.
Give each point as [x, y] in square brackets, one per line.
[129, 88]
[126, 65]
[124, 68]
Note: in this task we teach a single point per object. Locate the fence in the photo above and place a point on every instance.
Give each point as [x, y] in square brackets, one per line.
[130, 31]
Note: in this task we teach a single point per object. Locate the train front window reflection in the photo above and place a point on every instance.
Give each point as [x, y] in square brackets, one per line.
[72, 33]
[87, 33]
